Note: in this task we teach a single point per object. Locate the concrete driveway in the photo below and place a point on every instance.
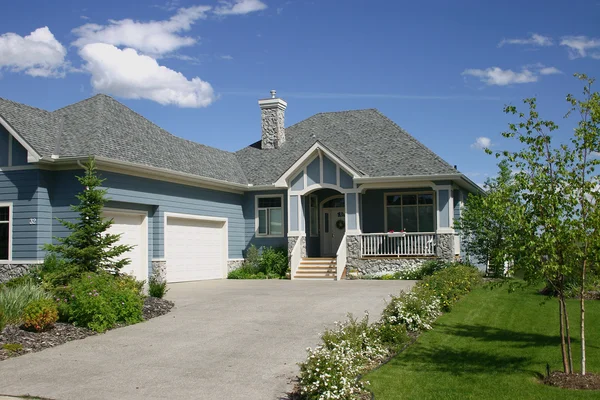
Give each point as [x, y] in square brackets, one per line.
[224, 340]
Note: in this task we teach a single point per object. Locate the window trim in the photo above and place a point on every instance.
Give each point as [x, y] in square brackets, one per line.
[257, 220]
[434, 205]
[10, 228]
[310, 211]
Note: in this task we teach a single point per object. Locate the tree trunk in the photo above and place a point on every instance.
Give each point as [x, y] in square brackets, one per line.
[582, 305]
[568, 333]
[562, 338]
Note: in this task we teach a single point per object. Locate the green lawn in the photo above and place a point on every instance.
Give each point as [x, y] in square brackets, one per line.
[493, 345]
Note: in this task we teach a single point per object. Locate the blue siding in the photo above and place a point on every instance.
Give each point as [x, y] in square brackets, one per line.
[313, 172]
[157, 197]
[443, 208]
[19, 154]
[329, 171]
[29, 201]
[346, 181]
[456, 194]
[298, 181]
[3, 147]
[249, 215]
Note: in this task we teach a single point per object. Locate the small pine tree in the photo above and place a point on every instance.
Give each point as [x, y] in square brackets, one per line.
[88, 248]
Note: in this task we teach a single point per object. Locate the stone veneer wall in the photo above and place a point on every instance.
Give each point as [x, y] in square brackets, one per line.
[388, 265]
[445, 246]
[273, 127]
[232, 265]
[292, 242]
[159, 269]
[11, 271]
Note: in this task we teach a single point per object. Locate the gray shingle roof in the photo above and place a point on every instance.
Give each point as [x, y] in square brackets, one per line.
[101, 126]
[367, 139]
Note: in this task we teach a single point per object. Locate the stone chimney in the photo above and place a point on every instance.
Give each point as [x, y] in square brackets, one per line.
[272, 116]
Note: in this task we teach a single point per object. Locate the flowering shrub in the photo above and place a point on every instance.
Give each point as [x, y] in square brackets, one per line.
[331, 370]
[352, 347]
[416, 310]
[99, 301]
[451, 283]
[40, 315]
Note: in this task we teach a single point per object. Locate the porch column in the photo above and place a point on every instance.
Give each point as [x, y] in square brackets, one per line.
[445, 221]
[296, 226]
[352, 213]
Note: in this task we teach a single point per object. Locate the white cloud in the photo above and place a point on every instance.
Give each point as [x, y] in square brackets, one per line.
[534, 39]
[226, 57]
[498, 76]
[550, 71]
[239, 7]
[155, 37]
[38, 54]
[127, 74]
[580, 46]
[482, 143]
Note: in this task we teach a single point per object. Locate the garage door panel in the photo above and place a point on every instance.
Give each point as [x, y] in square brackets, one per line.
[132, 229]
[194, 249]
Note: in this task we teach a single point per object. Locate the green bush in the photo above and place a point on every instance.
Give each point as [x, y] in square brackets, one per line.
[451, 283]
[40, 315]
[12, 347]
[274, 261]
[392, 336]
[157, 287]
[270, 264]
[2, 320]
[13, 300]
[99, 301]
[19, 281]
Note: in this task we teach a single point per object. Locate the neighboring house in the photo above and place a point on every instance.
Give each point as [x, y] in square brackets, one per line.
[329, 188]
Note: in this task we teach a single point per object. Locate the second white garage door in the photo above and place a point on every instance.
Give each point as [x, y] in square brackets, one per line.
[195, 249]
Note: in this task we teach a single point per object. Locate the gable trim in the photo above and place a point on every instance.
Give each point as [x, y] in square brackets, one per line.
[316, 150]
[32, 155]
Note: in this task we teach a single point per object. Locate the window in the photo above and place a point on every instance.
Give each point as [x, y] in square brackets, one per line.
[412, 212]
[314, 215]
[269, 216]
[4, 232]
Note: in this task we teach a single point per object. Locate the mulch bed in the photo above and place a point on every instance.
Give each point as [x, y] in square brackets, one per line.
[63, 333]
[573, 381]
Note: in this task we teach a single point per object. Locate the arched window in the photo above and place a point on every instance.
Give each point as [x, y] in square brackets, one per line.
[335, 203]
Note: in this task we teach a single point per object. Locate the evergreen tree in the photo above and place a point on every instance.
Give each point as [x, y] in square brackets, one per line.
[88, 248]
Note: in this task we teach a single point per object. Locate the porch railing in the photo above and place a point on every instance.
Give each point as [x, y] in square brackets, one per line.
[397, 244]
[341, 258]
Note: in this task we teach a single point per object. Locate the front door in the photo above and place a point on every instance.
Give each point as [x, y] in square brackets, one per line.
[333, 227]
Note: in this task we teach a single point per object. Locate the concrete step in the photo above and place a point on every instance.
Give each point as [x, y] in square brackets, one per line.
[315, 277]
[316, 272]
[318, 261]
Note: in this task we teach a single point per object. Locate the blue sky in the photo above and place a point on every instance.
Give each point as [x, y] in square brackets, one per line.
[442, 70]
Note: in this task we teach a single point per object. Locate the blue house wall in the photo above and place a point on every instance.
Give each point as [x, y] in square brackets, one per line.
[249, 210]
[156, 197]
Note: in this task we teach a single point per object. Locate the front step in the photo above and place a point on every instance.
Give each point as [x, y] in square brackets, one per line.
[317, 268]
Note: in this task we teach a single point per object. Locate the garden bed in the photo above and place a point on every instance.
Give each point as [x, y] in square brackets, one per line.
[573, 381]
[32, 342]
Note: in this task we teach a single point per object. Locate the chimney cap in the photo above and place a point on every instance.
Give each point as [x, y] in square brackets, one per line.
[273, 93]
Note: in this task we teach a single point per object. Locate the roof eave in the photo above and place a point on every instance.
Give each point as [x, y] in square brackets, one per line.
[143, 171]
[458, 177]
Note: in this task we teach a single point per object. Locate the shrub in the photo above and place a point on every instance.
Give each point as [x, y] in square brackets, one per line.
[416, 310]
[271, 264]
[451, 283]
[331, 370]
[19, 281]
[100, 301]
[392, 336]
[274, 261]
[2, 320]
[12, 347]
[13, 300]
[156, 287]
[40, 315]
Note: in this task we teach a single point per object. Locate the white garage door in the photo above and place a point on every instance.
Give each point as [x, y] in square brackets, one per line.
[195, 249]
[134, 232]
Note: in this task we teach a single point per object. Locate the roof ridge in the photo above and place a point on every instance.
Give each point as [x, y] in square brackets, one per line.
[79, 102]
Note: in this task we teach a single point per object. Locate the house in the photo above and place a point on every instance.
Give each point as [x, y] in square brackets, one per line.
[331, 189]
